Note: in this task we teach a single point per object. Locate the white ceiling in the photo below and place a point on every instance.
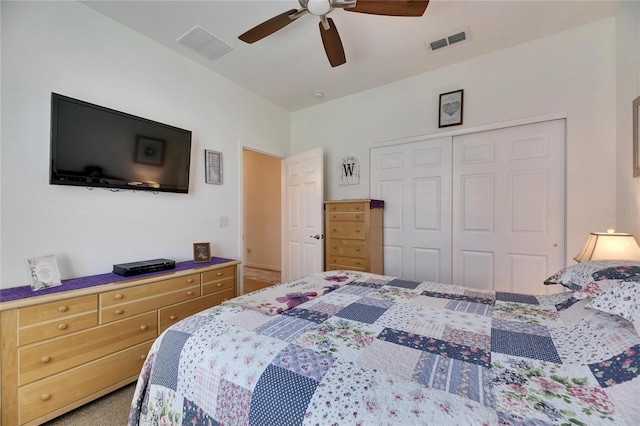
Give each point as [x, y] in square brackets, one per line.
[289, 65]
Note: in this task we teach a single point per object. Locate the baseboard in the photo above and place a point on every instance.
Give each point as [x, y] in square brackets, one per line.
[259, 266]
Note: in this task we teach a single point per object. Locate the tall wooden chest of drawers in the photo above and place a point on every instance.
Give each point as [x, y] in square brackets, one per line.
[62, 350]
[353, 231]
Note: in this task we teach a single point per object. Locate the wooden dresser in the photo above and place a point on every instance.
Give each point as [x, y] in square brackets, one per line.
[62, 350]
[353, 231]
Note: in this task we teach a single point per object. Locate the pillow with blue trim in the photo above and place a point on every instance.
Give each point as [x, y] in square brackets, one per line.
[589, 279]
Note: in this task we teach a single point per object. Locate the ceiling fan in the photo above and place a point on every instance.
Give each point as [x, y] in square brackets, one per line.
[328, 31]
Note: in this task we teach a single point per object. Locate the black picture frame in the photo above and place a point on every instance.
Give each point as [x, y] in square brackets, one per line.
[201, 252]
[450, 108]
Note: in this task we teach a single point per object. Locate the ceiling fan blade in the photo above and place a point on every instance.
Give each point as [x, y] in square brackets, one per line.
[390, 7]
[332, 44]
[269, 26]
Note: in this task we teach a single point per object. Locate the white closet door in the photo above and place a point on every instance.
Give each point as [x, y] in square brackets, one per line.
[414, 180]
[508, 207]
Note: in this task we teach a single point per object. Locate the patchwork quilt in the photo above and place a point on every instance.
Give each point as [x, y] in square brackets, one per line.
[375, 349]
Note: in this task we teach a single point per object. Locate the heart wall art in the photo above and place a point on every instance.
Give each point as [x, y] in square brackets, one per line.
[450, 111]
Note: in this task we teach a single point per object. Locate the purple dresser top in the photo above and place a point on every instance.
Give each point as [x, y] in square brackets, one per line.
[16, 293]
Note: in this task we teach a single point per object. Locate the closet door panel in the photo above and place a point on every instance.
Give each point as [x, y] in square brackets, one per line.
[508, 201]
[414, 180]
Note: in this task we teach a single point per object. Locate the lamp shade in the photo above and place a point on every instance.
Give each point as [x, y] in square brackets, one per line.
[611, 245]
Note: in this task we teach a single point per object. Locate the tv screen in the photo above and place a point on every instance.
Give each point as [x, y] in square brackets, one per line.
[100, 147]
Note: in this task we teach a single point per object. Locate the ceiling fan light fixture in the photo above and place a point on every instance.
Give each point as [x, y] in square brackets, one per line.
[319, 7]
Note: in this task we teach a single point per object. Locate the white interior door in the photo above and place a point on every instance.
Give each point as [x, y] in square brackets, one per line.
[302, 218]
[508, 207]
[414, 180]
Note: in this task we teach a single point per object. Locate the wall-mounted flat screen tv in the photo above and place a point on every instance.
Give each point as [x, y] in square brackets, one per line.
[96, 146]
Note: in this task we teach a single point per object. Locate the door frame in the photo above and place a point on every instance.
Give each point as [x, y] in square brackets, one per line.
[261, 150]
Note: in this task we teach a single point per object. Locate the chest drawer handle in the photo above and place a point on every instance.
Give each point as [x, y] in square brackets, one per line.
[357, 216]
[358, 249]
[173, 317]
[357, 207]
[62, 326]
[143, 327]
[45, 359]
[190, 280]
[143, 357]
[45, 397]
[219, 284]
[357, 231]
[189, 293]
[220, 274]
[119, 296]
[357, 262]
[63, 309]
[119, 312]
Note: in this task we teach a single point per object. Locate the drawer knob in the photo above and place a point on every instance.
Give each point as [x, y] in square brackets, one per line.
[357, 231]
[357, 262]
[143, 357]
[62, 326]
[63, 309]
[119, 296]
[173, 317]
[189, 293]
[357, 216]
[219, 284]
[143, 327]
[334, 229]
[357, 207]
[190, 280]
[45, 359]
[45, 397]
[119, 312]
[220, 274]
[358, 249]
[334, 216]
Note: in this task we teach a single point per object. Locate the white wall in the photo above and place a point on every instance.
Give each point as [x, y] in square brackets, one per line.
[68, 48]
[570, 73]
[627, 212]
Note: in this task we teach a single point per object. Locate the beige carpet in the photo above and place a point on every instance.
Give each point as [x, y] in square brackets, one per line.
[110, 410]
[256, 279]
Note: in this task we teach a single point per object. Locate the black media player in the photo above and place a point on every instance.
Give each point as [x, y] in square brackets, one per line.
[143, 267]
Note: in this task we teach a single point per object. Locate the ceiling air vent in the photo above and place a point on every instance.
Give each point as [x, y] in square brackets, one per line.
[204, 43]
[448, 40]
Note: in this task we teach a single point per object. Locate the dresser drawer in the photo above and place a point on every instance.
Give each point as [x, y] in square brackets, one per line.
[128, 294]
[348, 248]
[348, 207]
[55, 310]
[44, 359]
[173, 314]
[52, 393]
[351, 230]
[226, 284]
[55, 319]
[135, 307]
[218, 274]
[340, 217]
[338, 262]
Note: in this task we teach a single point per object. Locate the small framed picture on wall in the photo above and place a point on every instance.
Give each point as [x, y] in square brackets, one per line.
[450, 111]
[201, 252]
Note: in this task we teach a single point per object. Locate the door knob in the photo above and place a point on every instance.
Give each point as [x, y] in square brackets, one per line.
[317, 236]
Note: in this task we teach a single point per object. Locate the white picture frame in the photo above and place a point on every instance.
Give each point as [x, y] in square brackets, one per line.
[213, 167]
[44, 272]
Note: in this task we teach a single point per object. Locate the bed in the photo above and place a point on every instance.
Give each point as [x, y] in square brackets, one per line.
[342, 347]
